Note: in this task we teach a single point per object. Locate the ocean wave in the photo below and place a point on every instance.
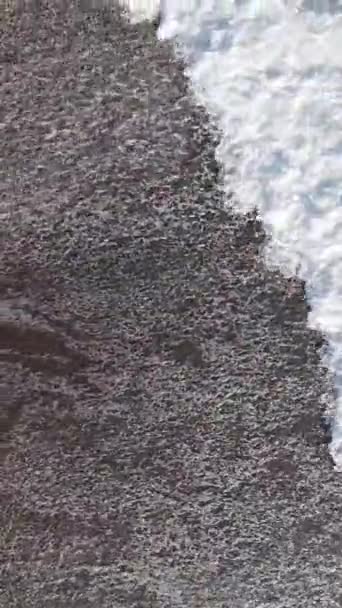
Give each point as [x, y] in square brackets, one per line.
[270, 73]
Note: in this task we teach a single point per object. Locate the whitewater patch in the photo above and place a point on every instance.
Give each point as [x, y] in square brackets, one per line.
[141, 10]
[270, 74]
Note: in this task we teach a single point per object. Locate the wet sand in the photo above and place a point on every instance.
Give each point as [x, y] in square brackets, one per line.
[160, 393]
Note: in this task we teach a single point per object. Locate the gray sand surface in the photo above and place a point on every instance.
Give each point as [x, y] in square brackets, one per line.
[160, 436]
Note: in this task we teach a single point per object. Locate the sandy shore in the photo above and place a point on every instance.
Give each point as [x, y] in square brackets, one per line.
[160, 393]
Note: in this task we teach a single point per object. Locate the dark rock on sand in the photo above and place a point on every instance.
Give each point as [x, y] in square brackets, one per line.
[161, 443]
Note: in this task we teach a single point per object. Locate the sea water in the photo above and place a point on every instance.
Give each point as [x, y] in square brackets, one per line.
[270, 74]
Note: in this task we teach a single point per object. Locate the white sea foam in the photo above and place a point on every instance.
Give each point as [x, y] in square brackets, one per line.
[141, 10]
[270, 72]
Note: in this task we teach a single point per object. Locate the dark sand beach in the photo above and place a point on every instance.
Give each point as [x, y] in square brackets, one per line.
[160, 435]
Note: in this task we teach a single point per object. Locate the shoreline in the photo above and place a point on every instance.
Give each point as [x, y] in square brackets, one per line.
[161, 440]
